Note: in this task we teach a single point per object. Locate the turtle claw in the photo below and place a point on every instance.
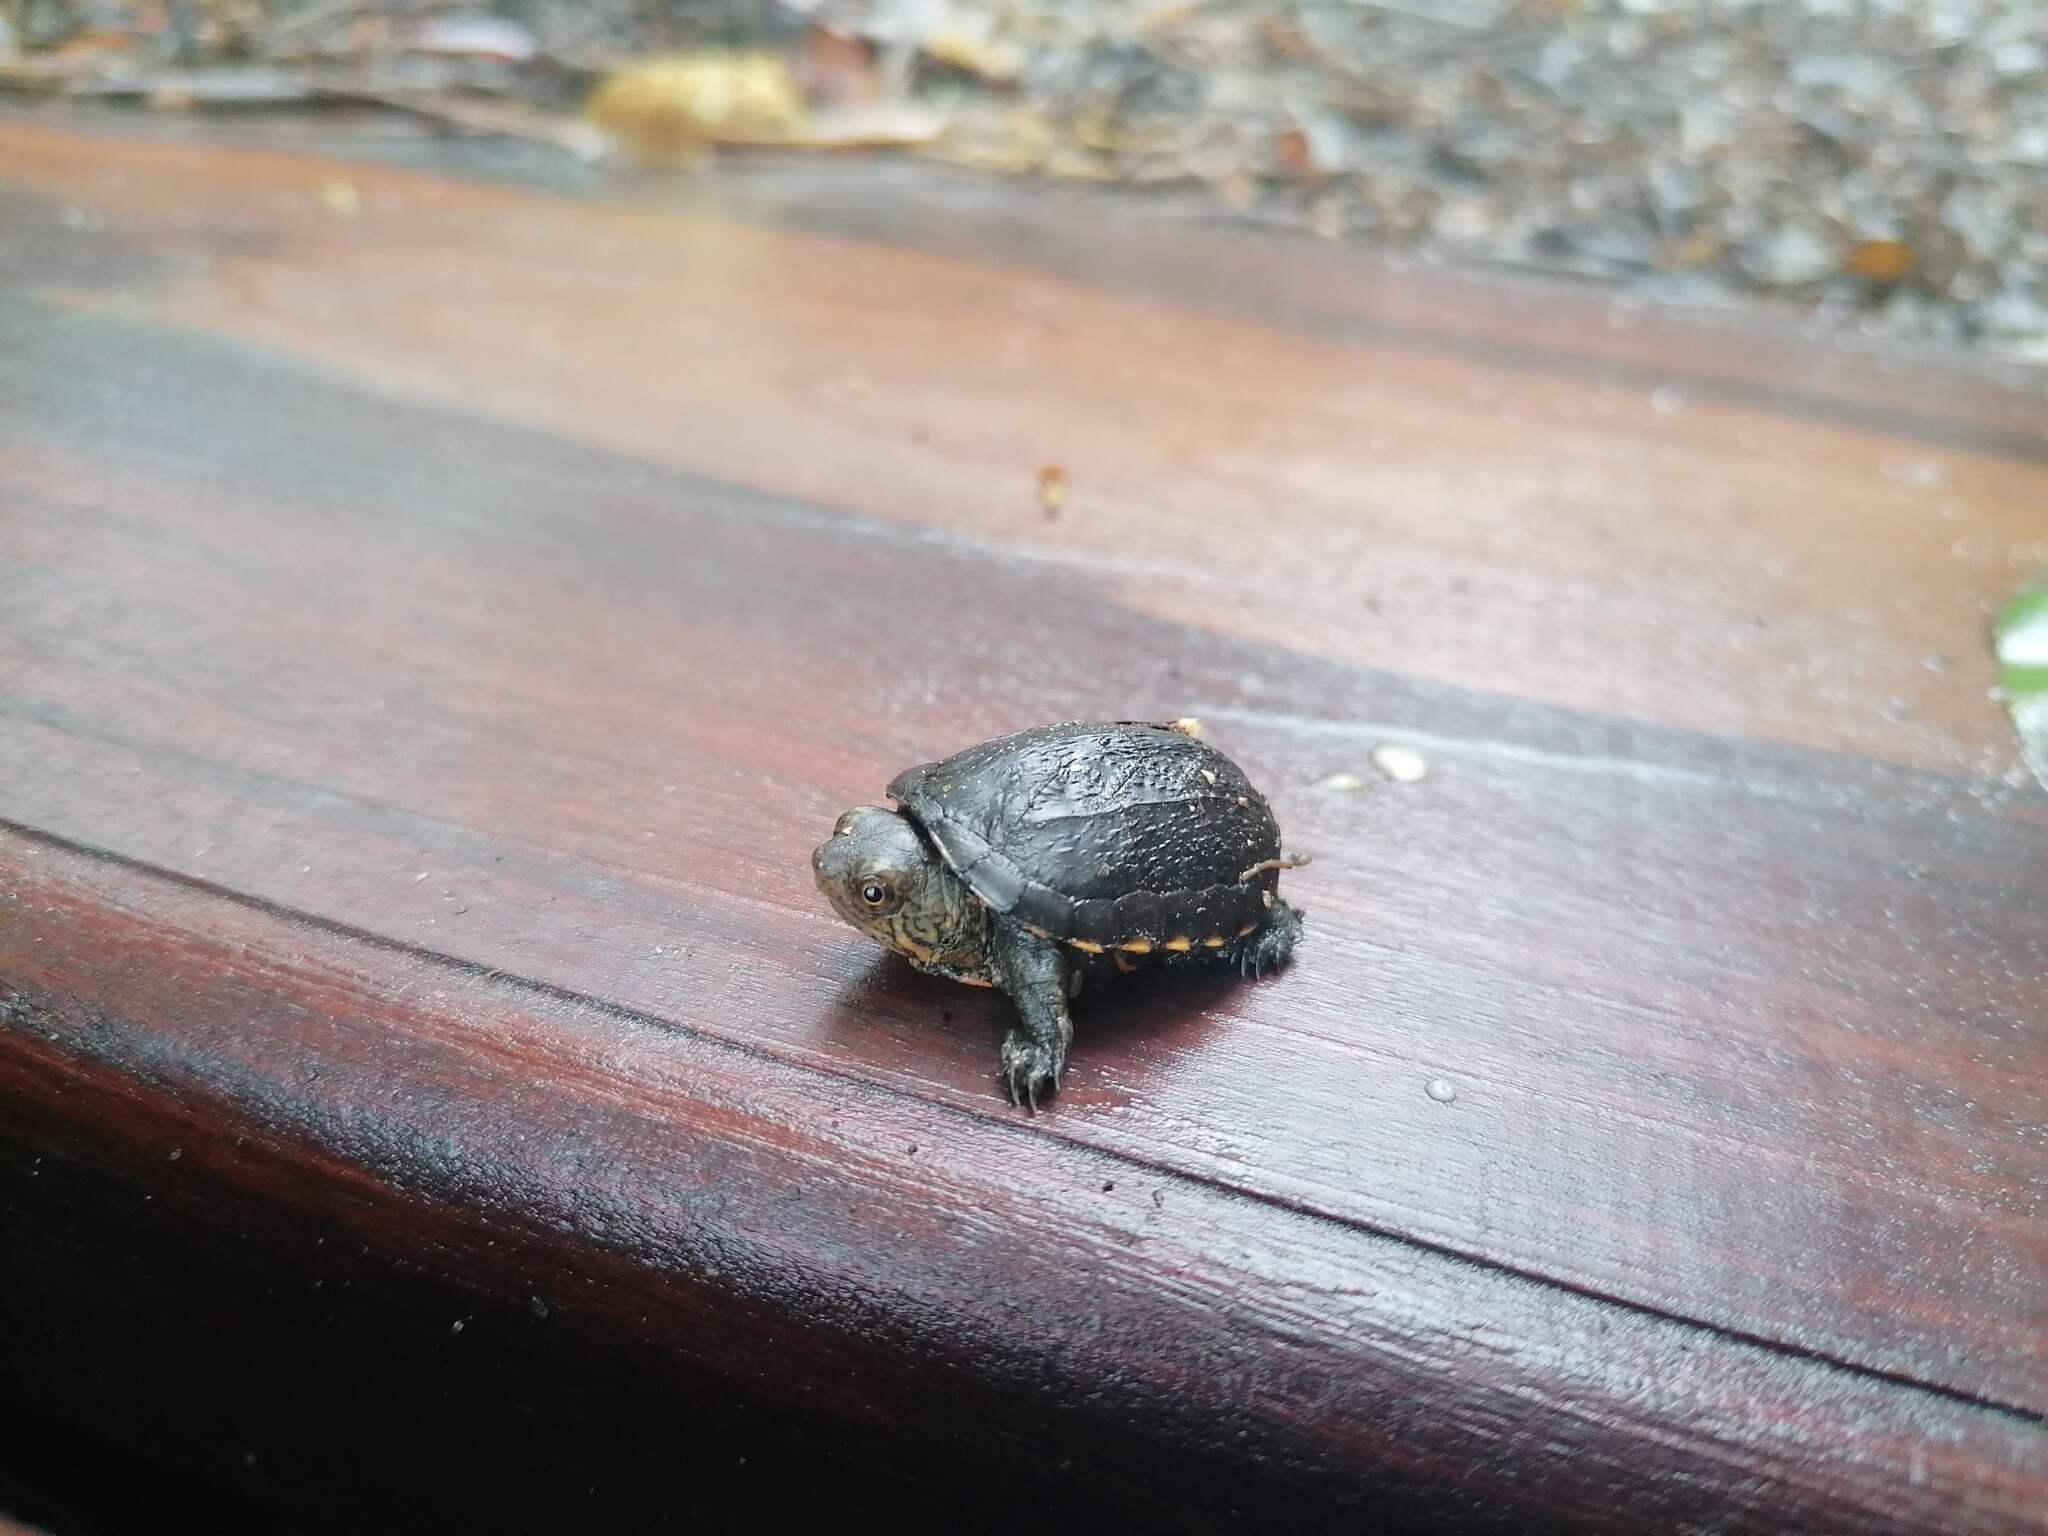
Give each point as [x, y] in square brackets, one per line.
[1271, 944]
[1031, 1071]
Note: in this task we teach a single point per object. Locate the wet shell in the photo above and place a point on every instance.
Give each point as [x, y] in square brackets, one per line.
[1108, 835]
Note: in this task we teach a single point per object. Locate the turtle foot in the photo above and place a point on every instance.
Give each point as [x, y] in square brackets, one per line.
[1031, 1069]
[1271, 945]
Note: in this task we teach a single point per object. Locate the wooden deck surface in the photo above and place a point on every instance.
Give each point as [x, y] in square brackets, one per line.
[438, 616]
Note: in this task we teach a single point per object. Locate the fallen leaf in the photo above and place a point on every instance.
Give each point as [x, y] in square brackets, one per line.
[994, 62]
[1880, 261]
[668, 111]
[212, 86]
[883, 125]
[837, 68]
[2019, 636]
[1013, 141]
[1291, 155]
[502, 117]
[471, 35]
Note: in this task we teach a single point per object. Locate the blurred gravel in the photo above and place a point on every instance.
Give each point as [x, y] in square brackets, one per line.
[1882, 164]
[1877, 166]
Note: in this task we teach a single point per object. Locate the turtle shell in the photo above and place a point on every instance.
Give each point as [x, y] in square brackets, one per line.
[1118, 834]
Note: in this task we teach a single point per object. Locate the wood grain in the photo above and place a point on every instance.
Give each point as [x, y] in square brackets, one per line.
[732, 1212]
[459, 623]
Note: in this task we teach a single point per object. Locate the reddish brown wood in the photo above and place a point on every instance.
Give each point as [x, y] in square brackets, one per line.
[820, 1242]
[460, 622]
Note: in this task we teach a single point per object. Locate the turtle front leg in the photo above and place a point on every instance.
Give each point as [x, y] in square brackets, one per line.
[1036, 973]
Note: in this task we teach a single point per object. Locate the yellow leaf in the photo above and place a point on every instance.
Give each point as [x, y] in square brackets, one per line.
[666, 110]
[997, 63]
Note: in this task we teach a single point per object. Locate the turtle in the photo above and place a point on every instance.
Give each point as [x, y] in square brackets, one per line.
[1053, 857]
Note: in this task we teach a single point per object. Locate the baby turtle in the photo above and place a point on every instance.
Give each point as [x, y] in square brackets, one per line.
[1065, 854]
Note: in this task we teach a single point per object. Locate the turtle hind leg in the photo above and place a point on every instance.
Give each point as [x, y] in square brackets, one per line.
[1269, 946]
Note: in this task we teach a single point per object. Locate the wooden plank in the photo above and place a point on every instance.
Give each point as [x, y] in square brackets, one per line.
[1638, 952]
[696, 1198]
[1396, 502]
[1733, 980]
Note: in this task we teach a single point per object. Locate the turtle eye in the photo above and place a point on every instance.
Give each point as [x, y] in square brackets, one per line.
[874, 893]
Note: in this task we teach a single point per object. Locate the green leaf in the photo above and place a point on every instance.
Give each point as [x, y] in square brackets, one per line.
[2019, 635]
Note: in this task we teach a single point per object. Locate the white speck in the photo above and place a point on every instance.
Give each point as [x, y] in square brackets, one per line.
[1667, 400]
[1401, 764]
[1342, 781]
[305, 869]
[1923, 472]
[458, 1325]
[341, 197]
[1209, 774]
[1441, 1089]
[176, 1153]
[416, 879]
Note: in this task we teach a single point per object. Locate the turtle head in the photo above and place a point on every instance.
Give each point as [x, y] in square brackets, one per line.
[881, 875]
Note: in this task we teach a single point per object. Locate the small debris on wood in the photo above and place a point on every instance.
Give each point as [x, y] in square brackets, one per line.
[1052, 489]
[1403, 765]
[341, 197]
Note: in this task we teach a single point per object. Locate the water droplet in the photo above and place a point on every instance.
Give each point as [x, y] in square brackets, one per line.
[1441, 1089]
